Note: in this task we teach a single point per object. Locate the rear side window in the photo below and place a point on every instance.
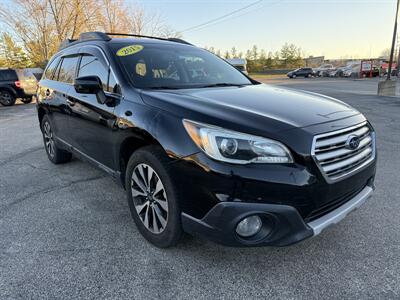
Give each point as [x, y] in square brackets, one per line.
[67, 70]
[8, 75]
[51, 68]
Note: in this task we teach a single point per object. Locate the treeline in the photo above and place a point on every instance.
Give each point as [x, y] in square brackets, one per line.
[35, 28]
[289, 56]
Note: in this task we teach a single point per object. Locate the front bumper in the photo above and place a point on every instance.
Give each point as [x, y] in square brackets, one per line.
[286, 224]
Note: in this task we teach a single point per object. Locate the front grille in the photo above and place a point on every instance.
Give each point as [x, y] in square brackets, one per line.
[336, 159]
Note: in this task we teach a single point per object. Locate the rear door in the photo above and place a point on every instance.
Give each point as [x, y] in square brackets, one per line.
[53, 91]
[302, 72]
[92, 123]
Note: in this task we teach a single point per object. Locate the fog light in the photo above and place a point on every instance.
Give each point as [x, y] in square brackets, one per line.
[249, 226]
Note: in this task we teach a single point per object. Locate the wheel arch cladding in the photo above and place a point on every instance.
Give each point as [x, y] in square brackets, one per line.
[130, 145]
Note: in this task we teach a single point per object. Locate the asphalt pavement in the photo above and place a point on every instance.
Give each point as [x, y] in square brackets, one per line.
[66, 231]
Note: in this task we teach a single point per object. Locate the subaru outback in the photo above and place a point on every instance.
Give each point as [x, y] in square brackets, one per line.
[199, 146]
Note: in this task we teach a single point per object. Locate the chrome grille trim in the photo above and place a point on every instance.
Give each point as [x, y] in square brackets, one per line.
[337, 162]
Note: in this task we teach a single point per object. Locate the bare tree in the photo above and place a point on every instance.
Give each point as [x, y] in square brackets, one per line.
[40, 25]
[112, 16]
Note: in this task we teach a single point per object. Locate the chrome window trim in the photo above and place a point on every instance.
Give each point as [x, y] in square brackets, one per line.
[61, 55]
[352, 171]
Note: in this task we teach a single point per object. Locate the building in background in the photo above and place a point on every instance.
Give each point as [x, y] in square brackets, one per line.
[314, 61]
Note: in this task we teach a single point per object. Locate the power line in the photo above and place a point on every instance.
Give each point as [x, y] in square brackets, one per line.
[239, 15]
[223, 16]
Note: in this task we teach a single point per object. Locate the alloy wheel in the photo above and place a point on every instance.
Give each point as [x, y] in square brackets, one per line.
[48, 138]
[5, 98]
[149, 198]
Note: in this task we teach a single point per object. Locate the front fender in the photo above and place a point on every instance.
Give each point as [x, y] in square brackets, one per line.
[154, 125]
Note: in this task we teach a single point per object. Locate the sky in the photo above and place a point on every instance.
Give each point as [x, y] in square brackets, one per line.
[333, 28]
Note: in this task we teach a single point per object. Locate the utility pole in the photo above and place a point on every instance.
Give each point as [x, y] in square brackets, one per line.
[398, 56]
[393, 42]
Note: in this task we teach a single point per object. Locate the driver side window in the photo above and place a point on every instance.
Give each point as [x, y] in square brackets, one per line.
[92, 66]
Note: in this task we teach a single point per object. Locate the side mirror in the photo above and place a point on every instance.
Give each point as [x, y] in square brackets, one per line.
[90, 85]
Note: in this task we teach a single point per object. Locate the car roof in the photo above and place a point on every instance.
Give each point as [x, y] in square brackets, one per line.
[143, 41]
[105, 40]
[96, 38]
[115, 41]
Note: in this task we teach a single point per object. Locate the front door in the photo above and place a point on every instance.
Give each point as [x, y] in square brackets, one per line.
[92, 124]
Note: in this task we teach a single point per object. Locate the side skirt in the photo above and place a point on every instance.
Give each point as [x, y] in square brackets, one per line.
[83, 156]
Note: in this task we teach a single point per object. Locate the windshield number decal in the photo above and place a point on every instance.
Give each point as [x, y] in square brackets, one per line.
[129, 50]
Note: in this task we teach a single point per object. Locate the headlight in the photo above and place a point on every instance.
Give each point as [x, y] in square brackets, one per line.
[235, 147]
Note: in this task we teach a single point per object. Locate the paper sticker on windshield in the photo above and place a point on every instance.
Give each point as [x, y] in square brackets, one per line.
[129, 50]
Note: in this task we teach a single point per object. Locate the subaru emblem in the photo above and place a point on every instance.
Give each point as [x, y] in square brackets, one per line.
[352, 142]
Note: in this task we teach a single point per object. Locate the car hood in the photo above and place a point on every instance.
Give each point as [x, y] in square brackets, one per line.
[253, 105]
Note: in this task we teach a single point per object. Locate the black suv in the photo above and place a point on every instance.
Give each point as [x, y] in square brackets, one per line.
[302, 72]
[200, 147]
[16, 84]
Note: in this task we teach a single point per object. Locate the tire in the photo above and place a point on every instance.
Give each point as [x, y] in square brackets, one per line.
[294, 76]
[7, 98]
[161, 206]
[26, 100]
[54, 153]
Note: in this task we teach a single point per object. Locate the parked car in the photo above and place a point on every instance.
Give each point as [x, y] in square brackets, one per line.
[347, 73]
[301, 72]
[220, 155]
[338, 72]
[323, 70]
[16, 84]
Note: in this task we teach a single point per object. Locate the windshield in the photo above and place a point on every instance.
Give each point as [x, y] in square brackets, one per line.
[175, 66]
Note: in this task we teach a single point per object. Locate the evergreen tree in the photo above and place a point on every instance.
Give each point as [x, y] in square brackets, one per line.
[234, 52]
[11, 55]
[226, 55]
[254, 52]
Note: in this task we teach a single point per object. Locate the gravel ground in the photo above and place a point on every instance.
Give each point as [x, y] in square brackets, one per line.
[66, 231]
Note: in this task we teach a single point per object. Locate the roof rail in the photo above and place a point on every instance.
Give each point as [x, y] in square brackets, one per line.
[85, 36]
[176, 40]
[105, 36]
[65, 43]
[95, 35]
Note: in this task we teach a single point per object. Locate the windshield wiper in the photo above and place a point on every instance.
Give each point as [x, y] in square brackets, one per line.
[162, 87]
[222, 84]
